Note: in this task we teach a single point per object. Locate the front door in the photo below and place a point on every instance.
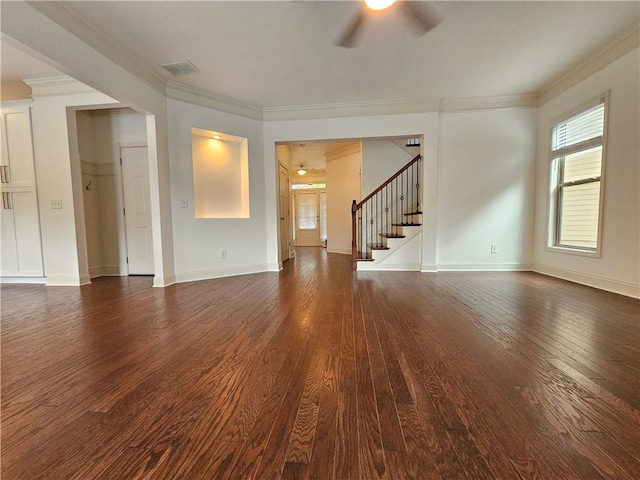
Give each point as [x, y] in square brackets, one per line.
[307, 219]
[135, 181]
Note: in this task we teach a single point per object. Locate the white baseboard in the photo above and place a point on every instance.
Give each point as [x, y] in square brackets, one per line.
[485, 267]
[595, 281]
[389, 267]
[109, 271]
[31, 280]
[428, 268]
[274, 267]
[220, 273]
[164, 281]
[64, 281]
[341, 252]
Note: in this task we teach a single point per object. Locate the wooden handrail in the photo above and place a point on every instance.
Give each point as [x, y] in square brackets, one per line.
[391, 179]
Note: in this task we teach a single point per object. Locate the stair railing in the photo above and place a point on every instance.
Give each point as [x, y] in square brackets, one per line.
[382, 213]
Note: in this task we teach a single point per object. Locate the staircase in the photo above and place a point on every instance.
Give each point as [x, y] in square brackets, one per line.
[388, 219]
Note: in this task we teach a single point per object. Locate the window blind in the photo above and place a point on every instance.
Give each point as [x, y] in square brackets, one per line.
[582, 128]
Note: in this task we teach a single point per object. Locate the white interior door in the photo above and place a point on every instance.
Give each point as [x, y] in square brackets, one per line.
[135, 181]
[285, 224]
[307, 219]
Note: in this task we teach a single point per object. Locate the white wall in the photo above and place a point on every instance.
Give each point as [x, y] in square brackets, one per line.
[343, 186]
[57, 171]
[380, 160]
[90, 192]
[618, 269]
[198, 242]
[486, 189]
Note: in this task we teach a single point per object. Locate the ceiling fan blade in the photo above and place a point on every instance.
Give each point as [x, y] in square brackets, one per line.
[421, 17]
[349, 36]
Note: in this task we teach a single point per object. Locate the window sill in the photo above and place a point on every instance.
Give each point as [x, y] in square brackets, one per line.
[574, 251]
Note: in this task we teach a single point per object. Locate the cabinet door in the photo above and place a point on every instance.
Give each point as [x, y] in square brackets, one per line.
[29, 245]
[17, 163]
[21, 245]
[9, 266]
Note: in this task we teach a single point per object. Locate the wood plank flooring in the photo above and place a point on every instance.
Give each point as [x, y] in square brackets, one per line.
[318, 372]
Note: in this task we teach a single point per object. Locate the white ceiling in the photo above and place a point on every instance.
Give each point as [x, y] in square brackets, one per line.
[312, 154]
[16, 66]
[282, 53]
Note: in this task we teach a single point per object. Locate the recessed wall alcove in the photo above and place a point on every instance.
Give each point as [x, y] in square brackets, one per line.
[220, 174]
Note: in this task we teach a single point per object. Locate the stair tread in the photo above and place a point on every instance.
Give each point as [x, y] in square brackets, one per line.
[406, 224]
[391, 235]
[364, 259]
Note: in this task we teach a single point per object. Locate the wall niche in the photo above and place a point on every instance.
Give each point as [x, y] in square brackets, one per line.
[220, 174]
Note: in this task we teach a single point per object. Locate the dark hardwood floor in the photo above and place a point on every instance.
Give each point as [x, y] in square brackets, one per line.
[318, 372]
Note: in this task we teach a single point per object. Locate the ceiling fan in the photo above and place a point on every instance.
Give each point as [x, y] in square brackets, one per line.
[421, 17]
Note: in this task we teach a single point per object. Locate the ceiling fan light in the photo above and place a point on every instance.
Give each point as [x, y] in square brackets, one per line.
[379, 4]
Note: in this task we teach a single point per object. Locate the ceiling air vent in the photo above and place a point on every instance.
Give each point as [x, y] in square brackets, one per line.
[180, 68]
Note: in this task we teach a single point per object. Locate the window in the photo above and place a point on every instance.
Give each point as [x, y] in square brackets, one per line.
[306, 186]
[577, 151]
[307, 211]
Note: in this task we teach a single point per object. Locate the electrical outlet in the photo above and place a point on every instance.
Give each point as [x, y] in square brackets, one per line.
[55, 204]
[184, 203]
[223, 254]
[494, 249]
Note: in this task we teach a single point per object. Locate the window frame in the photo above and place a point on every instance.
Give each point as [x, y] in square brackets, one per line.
[556, 183]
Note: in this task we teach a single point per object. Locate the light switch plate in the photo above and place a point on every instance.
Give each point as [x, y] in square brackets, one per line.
[55, 204]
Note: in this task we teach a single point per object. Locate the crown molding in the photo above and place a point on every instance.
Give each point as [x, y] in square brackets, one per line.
[21, 104]
[205, 98]
[61, 85]
[64, 15]
[625, 43]
[349, 109]
[451, 105]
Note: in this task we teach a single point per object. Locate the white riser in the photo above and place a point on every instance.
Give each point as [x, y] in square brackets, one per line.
[403, 254]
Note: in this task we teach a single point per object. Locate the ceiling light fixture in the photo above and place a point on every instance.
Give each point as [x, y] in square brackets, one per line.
[216, 137]
[379, 4]
[301, 170]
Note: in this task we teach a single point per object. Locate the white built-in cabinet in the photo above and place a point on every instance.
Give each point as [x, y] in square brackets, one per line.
[21, 240]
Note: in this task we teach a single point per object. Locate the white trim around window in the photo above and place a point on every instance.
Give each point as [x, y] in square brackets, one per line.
[577, 159]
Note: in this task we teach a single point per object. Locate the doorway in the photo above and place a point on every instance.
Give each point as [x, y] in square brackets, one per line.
[116, 192]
